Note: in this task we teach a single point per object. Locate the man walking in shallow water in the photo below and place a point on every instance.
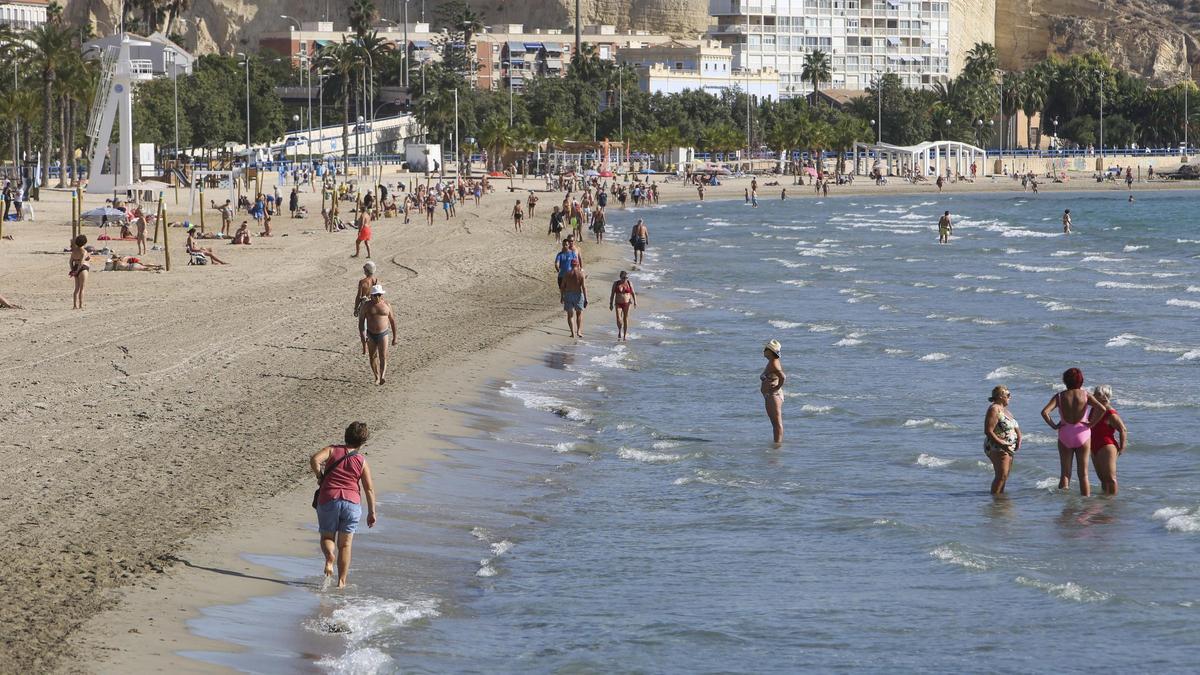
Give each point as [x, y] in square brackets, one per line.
[573, 293]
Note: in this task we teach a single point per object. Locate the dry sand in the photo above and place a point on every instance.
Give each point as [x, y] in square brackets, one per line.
[154, 435]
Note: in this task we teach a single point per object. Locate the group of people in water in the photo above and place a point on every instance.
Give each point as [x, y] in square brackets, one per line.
[1088, 427]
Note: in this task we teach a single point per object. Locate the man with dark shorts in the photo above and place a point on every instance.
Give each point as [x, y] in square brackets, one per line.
[376, 327]
[573, 293]
[640, 239]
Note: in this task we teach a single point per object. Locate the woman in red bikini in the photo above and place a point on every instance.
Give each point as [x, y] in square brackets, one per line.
[1074, 433]
[621, 297]
[1108, 440]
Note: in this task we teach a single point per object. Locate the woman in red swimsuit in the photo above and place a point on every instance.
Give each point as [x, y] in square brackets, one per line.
[1108, 440]
[621, 297]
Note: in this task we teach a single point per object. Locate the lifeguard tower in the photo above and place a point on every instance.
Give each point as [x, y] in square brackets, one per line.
[113, 102]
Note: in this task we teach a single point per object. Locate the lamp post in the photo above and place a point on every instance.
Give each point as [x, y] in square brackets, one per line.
[978, 129]
[879, 96]
[1187, 85]
[304, 63]
[1100, 76]
[1056, 132]
[246, 65]
[169, 57]
[406, 49]
[296, 142]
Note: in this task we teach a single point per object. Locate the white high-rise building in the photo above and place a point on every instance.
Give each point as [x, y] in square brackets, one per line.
[863, 38]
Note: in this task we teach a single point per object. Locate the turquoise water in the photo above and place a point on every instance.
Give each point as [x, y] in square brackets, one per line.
[622, 510]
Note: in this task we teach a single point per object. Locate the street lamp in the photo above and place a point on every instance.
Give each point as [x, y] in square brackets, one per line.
[406, 49]
[296, 141]
[1056, 132]
[304, 64]
[978, 130]
[246, 65]
[879, 96]
[1100, 76]
[169, 59]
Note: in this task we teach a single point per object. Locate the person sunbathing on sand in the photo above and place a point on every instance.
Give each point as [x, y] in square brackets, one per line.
[242, 236]
[122, 263]
[193, 249]
[5, 304]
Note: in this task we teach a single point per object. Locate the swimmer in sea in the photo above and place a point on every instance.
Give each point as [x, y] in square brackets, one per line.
[771, 385]
[1001, 436]
[945, 227]
[1109, 437]
[1074, 433]
[1067, 221]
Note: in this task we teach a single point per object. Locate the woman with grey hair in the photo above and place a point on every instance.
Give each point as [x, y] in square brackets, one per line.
[1108, 440]
[364, 286]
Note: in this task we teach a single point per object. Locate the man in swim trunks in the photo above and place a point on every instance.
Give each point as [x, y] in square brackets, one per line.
[365, 284]
[945, 227]
[639, 239]
[376, 324]
[573, 294]
[1067, 221]
[364, 232]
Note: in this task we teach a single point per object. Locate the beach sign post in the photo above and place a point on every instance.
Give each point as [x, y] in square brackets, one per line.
[74, 206]
[162, 216]
[202, 206]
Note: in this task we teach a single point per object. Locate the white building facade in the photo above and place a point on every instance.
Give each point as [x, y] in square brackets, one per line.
[863, 38]
[23, 14]
[700, 65]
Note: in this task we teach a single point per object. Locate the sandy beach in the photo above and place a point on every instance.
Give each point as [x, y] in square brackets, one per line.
[164, 429]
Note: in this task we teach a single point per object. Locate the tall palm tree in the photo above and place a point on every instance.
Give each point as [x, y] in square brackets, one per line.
[1033, 99]
[48, 49]
[497, 137]
[817, 69]
[362, 14]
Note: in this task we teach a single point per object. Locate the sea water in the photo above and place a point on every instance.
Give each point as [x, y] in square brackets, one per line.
[621, 507]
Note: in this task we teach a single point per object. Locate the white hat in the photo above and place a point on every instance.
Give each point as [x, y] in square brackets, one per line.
[773, 346]
[377, 289]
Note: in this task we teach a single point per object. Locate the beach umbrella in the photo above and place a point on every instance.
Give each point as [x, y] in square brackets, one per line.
[100, 212]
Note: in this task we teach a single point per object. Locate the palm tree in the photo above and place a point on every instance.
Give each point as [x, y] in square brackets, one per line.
[981, 61]
[496, 137]
[48, 49]
[1033, 99]
[362, 15]
[817, 69]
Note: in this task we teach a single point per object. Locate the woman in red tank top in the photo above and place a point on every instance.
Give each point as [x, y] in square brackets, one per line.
[1108, 440]
[343, 477]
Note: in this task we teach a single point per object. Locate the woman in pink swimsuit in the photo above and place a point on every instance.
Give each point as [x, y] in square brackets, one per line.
[1074, 432]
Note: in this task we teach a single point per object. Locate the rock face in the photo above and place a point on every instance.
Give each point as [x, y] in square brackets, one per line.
[228, 26]
[1153, 38]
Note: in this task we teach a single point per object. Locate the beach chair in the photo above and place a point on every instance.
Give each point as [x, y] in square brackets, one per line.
[197, 259]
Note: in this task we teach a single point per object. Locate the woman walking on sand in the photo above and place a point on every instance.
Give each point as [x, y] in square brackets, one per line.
[80, 263]
[343, 477]
[1109, 437]
[518, 215]
[771, 385]
[1001, 436]
[621, 298]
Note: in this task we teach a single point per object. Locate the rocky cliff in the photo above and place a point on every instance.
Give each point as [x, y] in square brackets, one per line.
[229, 26]
[1153, 38]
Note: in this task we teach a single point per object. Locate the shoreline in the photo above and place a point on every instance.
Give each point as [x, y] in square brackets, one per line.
[188, 386]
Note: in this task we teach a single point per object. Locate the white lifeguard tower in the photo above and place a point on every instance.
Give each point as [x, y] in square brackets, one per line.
[113, 101]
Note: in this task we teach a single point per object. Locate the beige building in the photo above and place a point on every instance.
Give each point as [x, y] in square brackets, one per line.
[700, 65]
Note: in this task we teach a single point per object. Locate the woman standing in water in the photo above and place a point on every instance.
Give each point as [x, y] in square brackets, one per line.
[1108, 440]
[1074, 434]
[771, 385]
[80, 265]
[1002, 436]
[343, 479]
[622, 297]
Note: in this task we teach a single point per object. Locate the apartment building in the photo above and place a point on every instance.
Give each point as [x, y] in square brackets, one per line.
[911, 38]
[23, 14]
[702, 65]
